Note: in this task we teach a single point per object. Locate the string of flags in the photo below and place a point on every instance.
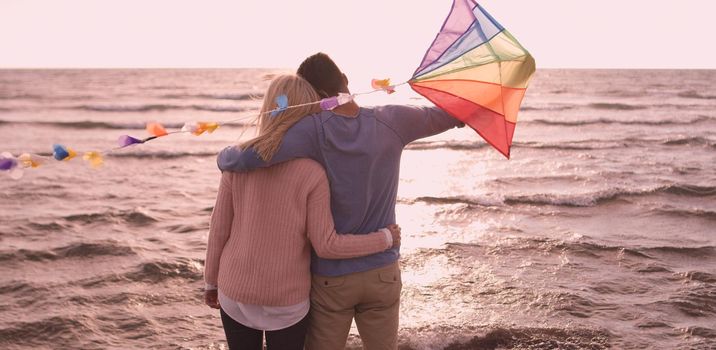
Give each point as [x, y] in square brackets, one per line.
[15, 166]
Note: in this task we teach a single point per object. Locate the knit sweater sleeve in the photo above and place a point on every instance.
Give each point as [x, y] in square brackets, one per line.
[322, 233]
[219, 229]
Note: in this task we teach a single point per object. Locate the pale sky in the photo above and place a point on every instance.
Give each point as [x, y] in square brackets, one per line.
[380, 37]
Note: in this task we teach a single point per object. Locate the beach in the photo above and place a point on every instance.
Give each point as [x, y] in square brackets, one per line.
[599, 232]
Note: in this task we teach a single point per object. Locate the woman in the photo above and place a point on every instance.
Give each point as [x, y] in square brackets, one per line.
[258, 253]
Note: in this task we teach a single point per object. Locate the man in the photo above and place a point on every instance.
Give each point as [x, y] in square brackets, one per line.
[360, 149]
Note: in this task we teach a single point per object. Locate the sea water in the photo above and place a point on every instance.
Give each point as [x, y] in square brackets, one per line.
[599, 232]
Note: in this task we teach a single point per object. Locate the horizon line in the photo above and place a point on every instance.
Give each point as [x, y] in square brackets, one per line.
[281, 68]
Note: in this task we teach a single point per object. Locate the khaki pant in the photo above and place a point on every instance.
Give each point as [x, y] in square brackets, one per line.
[372, 297]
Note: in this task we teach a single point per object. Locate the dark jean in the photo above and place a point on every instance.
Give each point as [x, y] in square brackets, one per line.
[241, 337]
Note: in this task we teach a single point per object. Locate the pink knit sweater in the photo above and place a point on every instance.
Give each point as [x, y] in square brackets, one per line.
[261, 227]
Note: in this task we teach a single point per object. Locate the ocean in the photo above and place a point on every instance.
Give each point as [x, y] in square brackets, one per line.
[599, 232]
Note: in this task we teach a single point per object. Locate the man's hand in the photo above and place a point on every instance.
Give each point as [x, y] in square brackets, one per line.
[211, 298]
[395, 233]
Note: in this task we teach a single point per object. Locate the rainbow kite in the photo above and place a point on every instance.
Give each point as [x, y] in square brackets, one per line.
[476, 71]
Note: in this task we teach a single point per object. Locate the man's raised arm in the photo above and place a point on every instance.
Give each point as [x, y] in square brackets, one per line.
[413, 122]
[300, 141]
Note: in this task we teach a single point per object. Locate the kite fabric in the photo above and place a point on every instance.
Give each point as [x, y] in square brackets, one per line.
[476, 71]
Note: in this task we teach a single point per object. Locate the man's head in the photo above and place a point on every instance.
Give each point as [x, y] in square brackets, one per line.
[323, 74]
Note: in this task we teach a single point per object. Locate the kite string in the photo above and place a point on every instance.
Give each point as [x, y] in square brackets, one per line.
[376, 90]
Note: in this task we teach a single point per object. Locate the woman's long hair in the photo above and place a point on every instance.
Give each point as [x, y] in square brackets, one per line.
[271, 129]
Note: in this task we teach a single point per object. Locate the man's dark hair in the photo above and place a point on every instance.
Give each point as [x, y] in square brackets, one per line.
[321, 72]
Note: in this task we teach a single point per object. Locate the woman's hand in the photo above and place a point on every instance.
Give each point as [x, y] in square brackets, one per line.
[211, 298]
[395, 233]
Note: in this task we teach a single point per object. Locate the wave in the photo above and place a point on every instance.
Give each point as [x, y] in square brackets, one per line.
[583, 145]
[689, 141]
[483, 202]
[157, 271]
[684, 213]
[156, 107]
[186, 228]
[20, 287]
[605, 106]
[695, 95]
[87, 124]
[605, 196]
[552, 108]
[75, 250]
[576, 200]
[581, 200]
[128, 154]
[57, 332]
[653, 269]
[88, 250]
[615, 106]
[586, 145]
[133, 217]
[231, 97]
[452, 145]
[530, 338]
[703, 332]
[606, 121]
[699, 276]
[689, 190]
[477, 145]
[91, 125]
[598, 250]
[163, 155]
[471, 336]
[20, 97]
[47, 227]
[624, 93]
[149, 272]
[587, 248]
[218, 108]
[696, 301]
[129, 298]
[694, 252]
[26, 255]
[163, 87]
[118, 108]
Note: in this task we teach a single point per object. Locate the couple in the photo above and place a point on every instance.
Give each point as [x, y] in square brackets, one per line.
[275, 199]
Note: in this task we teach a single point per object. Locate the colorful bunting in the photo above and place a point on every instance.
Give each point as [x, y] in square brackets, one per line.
[94, 158]
[190, 127]
[30, 160]
[9, 164]
[209, 127]
[329, 103]
[156, 130]
[198, 128]
[126, 140]
[282, 102]
[382, 84]
[7, 161]
[61, 152]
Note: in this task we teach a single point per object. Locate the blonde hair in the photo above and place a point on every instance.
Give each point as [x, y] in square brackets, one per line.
[272, 129]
